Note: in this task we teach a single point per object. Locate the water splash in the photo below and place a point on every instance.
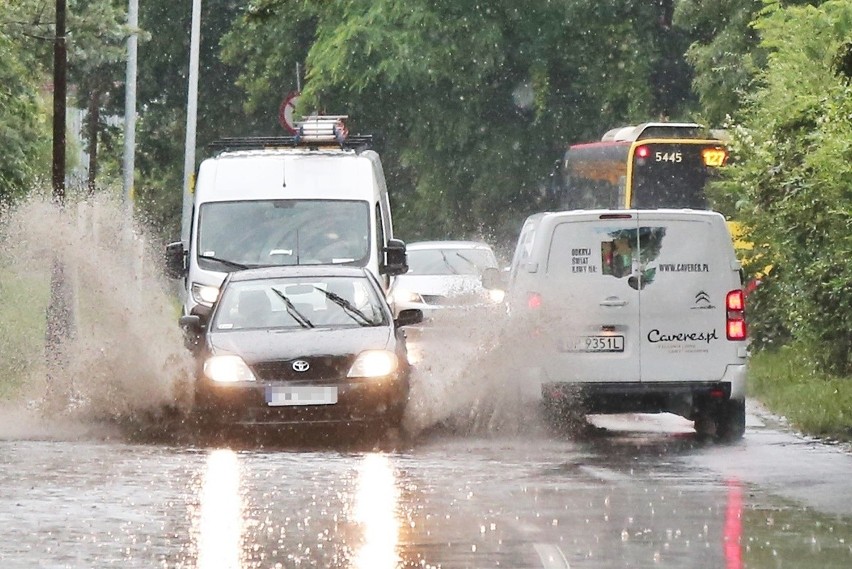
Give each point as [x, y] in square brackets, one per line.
[466, 375]
[123, 357]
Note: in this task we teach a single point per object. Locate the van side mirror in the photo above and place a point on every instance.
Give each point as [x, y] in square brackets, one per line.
[193, 322]
[408, 316]
[492, 279]
[175, 260]
[202, 312]
[193, 326]
[396, 259]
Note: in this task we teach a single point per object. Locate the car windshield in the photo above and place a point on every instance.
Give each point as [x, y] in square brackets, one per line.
[450, 261]
[303, 302]
[283, 232]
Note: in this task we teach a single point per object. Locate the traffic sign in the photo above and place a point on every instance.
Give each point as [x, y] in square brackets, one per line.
[286, 112]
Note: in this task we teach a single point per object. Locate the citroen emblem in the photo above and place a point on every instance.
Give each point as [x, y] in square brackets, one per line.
[301, 365]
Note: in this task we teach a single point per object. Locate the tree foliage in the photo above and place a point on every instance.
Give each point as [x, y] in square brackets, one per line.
[724, 53]
[162, 102]
[793, 177]
[24, 119]
[94, 39]
[471, 102]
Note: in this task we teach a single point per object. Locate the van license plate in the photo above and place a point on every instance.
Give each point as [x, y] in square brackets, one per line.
[595, 344]
[290, 396]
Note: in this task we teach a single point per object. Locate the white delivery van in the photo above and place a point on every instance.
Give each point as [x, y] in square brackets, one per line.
[633, 311]
[318, 198]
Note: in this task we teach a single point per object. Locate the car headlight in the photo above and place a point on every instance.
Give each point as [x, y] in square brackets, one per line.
[404, 296]
[204, 294]
[227, 369]
[374, 363]
[496, 295]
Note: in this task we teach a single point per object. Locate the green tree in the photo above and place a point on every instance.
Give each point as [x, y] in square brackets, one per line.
[162, 101]
[95, 39]
[97, 56]
[24, 118]
[471, 103]
[793, 177]
[724, 53]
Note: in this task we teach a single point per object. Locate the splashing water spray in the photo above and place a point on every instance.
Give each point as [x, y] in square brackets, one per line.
[123, 359]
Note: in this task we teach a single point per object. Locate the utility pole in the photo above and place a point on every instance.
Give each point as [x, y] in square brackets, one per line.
[59, 94]
[191, 117]
[58, 315]
[130, 105]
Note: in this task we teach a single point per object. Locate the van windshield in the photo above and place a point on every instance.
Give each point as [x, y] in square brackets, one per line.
[283, 232]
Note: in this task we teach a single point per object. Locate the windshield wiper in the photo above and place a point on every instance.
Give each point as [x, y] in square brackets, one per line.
[231, 264]
[468, 261]
[347, 307]
[447, 262]
[291, 310]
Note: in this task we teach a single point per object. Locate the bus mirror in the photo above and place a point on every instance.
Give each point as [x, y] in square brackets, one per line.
[396, 259]
[175, 260]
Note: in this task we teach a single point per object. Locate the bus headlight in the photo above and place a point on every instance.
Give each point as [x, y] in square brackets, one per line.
[374, 363]
[227, 369]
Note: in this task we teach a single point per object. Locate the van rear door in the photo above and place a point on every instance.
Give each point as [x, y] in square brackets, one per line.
[687, 266]
[588, 308]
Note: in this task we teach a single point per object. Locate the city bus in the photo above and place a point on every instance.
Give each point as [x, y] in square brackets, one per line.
[648, 166]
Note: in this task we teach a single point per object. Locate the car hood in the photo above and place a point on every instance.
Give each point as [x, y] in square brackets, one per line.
[443, 285]
[267, 345]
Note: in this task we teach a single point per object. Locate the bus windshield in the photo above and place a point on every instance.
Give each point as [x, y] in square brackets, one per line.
[672, 175]
[282, 232]
[645, 174]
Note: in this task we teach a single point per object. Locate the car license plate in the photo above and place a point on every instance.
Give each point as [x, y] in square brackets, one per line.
[302, 395]
[595, 344]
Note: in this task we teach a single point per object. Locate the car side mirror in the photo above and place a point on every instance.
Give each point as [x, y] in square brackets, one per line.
[396, 258]
[492, 279]
[175, 260]
[409, 316]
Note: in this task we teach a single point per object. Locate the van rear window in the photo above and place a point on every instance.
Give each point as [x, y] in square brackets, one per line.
[620, 250]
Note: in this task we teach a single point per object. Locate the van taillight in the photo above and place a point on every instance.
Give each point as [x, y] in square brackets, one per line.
[735, 327]
[534, 300]
[735, 301]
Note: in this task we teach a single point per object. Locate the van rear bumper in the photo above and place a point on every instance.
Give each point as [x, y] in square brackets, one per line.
[682, 397]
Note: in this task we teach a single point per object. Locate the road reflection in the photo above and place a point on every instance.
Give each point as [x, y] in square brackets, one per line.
[218, 522]
[375, 510]
[733, 529]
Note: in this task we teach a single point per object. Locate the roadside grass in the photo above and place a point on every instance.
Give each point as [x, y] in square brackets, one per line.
[785, 381]
[23, 301]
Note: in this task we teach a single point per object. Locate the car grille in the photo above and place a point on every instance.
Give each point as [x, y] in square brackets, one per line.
[322, 368]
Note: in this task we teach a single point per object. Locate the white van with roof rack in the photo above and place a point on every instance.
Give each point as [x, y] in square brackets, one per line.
[316, 198]
[632, 311]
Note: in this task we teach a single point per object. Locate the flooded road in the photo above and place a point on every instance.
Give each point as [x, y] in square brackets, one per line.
[475, 480]
[635, 491]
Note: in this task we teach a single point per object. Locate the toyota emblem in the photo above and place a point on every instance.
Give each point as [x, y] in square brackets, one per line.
[301, 365]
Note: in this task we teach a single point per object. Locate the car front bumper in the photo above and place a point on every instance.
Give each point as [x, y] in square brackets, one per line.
[357, 400]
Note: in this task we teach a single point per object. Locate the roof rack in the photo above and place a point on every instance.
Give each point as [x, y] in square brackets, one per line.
[313, 132]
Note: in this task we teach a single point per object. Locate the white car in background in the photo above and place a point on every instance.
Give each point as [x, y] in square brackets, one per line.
[445, 275]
